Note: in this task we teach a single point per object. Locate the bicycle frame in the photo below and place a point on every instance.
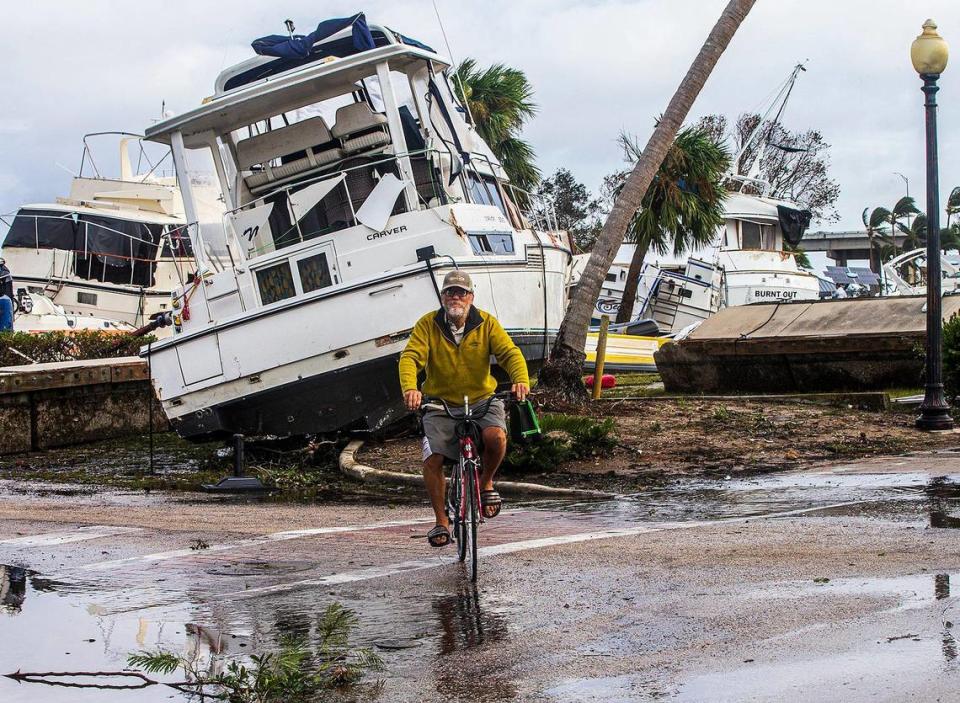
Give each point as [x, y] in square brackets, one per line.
[464, 508]
[469, 462]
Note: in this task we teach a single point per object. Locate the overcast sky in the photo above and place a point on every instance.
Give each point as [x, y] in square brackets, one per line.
[598, 66]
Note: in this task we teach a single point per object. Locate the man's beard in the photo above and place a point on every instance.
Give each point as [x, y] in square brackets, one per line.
[456, 311]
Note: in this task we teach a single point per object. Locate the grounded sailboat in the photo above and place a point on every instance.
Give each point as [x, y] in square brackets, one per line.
[749, 260]
[354, 182]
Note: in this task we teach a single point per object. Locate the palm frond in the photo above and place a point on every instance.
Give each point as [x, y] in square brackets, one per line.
[905, 206]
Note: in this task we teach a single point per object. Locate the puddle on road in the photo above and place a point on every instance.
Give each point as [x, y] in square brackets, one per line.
[877, 495]
[47, 625]
[51, 626]
[866, 674]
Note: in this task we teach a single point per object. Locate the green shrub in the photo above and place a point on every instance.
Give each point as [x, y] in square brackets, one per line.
[951, 358]
[48, 347]
[565, 437]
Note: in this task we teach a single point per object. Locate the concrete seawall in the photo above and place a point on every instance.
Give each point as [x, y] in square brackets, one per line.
[64, 403]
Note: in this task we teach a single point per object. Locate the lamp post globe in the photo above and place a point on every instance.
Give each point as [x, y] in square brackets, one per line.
[929, 54]
[929, 51]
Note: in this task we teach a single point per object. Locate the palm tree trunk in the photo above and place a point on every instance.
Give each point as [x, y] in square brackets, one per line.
[874, 254]
[633, 280]
[562, 374]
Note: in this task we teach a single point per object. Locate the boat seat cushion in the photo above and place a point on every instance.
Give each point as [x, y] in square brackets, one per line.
[356, 119]
[312, 160]
[298, 137]
[365, 142]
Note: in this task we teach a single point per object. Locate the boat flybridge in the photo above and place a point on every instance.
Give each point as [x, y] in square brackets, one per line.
[112, 250]
[354, 182]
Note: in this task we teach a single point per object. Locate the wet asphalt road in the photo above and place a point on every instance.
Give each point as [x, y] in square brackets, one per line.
[839, 583]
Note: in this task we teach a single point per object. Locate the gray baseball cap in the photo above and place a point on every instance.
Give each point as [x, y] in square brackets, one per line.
[457, 279]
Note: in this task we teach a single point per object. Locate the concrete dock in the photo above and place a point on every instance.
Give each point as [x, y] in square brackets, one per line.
[64, 403]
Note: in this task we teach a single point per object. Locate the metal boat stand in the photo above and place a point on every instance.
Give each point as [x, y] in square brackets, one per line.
[238, 483]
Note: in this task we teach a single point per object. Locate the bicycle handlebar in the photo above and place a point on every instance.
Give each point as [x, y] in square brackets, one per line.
[429, 403]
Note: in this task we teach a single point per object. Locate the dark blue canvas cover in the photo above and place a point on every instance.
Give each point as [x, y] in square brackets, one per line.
[299, 45]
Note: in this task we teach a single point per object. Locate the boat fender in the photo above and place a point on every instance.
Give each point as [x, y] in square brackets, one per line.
[606, 381]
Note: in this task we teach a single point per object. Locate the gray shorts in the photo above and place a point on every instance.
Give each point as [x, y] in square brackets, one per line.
[439, 431]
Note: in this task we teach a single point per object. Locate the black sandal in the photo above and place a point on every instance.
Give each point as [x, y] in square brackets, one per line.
[490, 499]
[439, 536]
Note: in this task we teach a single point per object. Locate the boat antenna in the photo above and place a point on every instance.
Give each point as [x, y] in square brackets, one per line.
[456, 74]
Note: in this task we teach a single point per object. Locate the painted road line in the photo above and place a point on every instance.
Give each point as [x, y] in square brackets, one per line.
[511, 547]
[78, 534]
[252, 541]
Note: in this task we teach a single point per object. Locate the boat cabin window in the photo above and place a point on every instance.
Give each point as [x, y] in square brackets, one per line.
[754, 235]
[275, 283]
[484, 191]
[314, 273]
[86, 298]
[491, 243]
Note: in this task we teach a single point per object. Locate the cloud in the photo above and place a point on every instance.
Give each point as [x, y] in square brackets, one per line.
[598, 66]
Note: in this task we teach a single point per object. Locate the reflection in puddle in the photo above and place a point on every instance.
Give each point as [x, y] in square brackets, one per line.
[13, 587]
[465, 625]
[943, 494]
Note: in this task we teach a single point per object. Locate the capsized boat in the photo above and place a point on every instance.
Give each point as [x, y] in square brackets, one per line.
[906, 274]
[114, 248]
[354, 181]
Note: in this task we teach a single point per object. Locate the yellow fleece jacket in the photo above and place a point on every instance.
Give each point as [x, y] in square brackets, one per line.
[455, 371]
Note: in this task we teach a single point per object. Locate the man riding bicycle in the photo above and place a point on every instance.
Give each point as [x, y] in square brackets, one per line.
[454, 345]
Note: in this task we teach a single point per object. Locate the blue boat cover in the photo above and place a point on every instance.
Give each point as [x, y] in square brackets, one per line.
[299, 45]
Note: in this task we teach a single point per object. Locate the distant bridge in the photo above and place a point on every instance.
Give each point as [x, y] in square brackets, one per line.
[843, 246]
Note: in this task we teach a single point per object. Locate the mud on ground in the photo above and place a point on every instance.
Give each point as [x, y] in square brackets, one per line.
[664, 439]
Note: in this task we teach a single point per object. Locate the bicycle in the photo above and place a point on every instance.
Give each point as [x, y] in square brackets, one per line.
[463, 489]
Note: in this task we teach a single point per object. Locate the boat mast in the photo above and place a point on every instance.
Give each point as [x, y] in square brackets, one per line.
[779, 103]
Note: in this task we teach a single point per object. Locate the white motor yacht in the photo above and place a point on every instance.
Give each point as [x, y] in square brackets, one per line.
[37, 314]
[354, 182]
[114, 248]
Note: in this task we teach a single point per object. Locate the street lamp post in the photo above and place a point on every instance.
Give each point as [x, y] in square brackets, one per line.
[929, 56]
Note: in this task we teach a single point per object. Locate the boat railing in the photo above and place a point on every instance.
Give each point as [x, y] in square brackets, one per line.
[539, 211]
[142, 155]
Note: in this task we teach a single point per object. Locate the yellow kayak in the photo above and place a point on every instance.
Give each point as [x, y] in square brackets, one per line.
[626, 353]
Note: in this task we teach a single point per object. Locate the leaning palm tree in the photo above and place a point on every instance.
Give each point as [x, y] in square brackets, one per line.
[562, 375]
[499, 99]
[905, 208]
[873, 223]
[916, 232]
[683, 207]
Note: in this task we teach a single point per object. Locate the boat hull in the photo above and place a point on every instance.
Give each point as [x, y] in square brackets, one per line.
[363, 397]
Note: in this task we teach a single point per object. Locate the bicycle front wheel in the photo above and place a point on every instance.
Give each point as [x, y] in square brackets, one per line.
[455, 500]
[472, 522]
